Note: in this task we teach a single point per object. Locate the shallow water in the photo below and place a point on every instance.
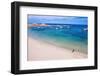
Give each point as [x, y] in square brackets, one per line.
[65, 36]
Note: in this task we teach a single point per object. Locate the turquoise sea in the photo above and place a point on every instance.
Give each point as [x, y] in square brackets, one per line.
[68, 36]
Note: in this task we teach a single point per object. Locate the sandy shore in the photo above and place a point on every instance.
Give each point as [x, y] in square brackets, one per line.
[38, 50]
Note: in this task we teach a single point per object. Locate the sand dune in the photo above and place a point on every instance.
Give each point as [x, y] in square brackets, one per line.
[38, 50]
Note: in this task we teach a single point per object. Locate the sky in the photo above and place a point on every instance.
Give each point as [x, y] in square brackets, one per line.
[57, 19]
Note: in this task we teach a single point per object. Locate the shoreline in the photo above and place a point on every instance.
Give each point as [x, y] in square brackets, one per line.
[39, 50]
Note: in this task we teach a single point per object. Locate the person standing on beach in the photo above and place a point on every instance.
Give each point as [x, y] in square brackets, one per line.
[73, 50]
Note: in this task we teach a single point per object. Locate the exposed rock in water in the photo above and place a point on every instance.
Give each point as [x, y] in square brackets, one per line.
[31, 25]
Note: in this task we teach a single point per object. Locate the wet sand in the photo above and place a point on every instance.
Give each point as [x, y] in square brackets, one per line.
[39, 50]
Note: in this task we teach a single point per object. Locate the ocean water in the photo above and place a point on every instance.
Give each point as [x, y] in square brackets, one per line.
[62, 35]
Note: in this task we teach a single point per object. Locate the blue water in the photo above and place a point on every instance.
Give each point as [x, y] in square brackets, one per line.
[65, 36]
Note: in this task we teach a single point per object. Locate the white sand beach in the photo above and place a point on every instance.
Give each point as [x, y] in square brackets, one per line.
[39, 50]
